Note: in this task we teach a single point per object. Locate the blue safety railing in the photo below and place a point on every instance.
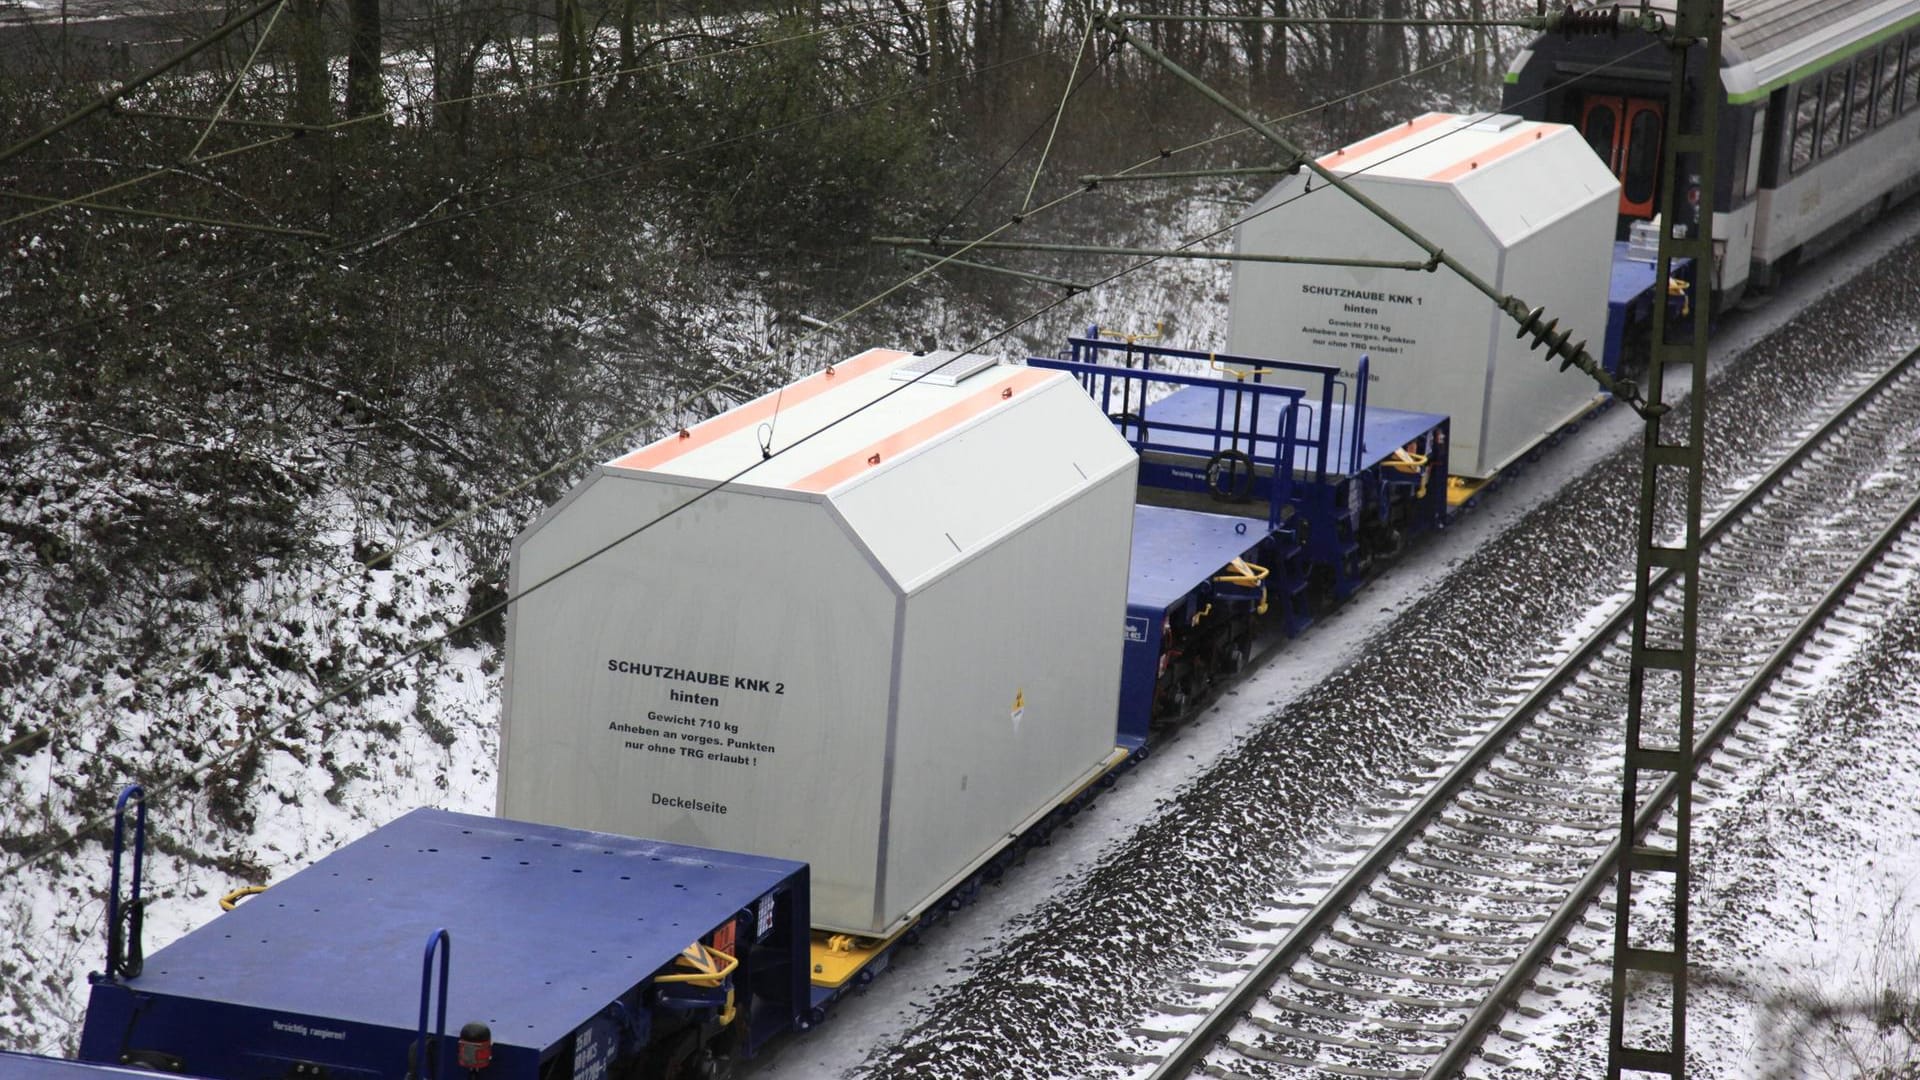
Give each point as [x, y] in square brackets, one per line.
[1305, 442]
[125, 954]
[428, 1055]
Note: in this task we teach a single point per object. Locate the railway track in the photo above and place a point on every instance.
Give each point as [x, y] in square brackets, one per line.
[1403, 964]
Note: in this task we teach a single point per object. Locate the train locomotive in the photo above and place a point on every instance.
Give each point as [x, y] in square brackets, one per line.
[843, 652]
[1818, 129]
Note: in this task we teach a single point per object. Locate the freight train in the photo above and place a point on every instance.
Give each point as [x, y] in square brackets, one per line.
[842, 652]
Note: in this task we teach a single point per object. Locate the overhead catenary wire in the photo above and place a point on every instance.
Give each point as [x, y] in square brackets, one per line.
[239, 76]
[435, 641]
[1066, 95]
[1072, 87]
[106, 101]
[1015, 153]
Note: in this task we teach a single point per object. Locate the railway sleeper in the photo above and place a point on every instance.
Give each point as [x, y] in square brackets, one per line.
[1221, 1073]
[1404, 904]
[1433, 932]
[1548, 742]
[1501, 813]
[1583, 809]
[1547, 737]
[1492, 833]
[1505, 770]
[1435, 863]
[1412, 1001]
[1357, 942]
[1401, 878]
[1594, 715]
[1287, 1004]
[1258, 1053]
[1350, 1042]
[1361, 966]
[1557, 858]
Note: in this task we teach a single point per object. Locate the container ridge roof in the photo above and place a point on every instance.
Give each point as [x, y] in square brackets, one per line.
[830, 427]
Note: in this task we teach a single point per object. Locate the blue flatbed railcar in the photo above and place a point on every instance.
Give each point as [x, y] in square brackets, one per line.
[575, 952]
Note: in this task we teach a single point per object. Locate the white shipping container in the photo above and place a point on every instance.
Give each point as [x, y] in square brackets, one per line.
[884, 650]
[1526, 205]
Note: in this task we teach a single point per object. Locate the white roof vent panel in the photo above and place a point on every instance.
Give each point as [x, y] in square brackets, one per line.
[943, 367]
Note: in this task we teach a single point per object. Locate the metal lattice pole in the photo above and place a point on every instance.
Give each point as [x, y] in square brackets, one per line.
[1650, 946]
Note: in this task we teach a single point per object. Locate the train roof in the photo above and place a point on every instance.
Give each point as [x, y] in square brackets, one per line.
[1767, 44]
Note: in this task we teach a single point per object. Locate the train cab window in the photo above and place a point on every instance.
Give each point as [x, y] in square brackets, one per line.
[1833, 111]
[1860, 110]
[1641, 175]
[1910, 74]
[1600, 123]
[1806, 123]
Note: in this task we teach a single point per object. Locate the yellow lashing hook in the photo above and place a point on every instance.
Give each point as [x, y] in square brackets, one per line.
[232, 899]
[1243, 573]
[1404, 460]
[1248, 576]
[1678, 287]
[710, 969]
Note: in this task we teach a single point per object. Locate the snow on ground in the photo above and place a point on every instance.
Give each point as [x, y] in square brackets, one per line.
[283, 779]
[1805, 940]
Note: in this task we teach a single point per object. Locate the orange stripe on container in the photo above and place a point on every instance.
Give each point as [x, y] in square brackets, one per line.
[1385, 139]
[1493, 153]
[708, 432]
[921, 431]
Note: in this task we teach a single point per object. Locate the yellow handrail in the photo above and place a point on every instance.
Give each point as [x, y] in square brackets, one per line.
[1237, 373]
[1159, 328]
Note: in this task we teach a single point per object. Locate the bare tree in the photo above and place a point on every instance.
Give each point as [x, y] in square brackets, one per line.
[312, 83]
[365, 44]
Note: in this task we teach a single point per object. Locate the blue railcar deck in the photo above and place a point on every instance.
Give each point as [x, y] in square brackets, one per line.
[1174, 550]
[546, 926]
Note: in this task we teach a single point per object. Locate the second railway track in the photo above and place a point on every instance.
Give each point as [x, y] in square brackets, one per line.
[1403, 965]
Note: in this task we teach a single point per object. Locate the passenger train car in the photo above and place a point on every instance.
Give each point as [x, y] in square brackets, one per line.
[842, 653]
[1819, 126]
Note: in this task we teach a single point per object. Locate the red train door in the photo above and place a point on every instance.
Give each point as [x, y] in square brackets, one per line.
[1626, 133]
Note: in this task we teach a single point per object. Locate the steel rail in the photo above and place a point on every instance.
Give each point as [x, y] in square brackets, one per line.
[1494, 1005]
[1315, 924]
